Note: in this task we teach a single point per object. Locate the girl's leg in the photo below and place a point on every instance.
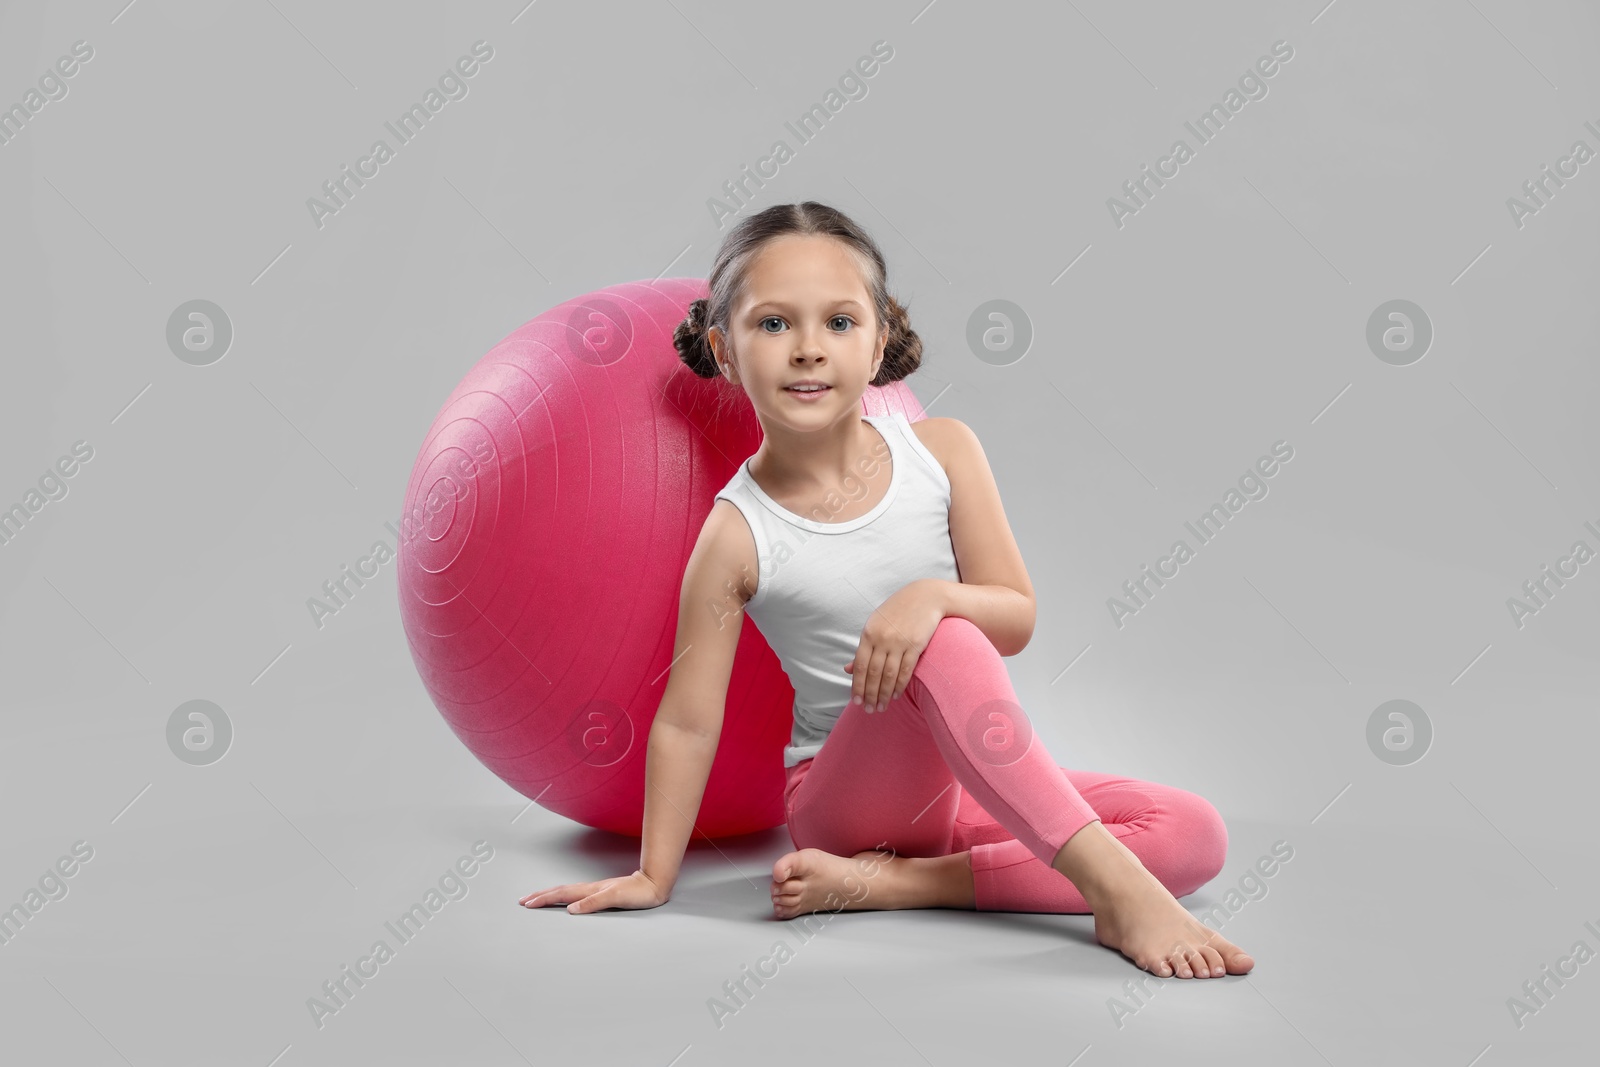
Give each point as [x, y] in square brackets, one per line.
[893, 780]
[1178, 836]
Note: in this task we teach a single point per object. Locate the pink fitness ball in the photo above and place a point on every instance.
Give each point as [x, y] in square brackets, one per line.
[547, 522]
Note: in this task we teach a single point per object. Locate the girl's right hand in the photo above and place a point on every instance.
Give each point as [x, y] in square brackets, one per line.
[635, 890]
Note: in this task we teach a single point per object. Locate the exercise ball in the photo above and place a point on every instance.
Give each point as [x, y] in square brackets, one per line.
[546, 525]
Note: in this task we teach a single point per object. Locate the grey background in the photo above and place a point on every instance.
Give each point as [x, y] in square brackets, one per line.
[1229, 313]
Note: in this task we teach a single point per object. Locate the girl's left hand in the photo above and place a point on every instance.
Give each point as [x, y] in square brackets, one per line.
[891, 643]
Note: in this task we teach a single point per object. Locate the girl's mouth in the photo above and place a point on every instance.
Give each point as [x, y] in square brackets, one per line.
[809, 394]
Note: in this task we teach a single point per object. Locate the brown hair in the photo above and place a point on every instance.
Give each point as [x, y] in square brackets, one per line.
[902, 350]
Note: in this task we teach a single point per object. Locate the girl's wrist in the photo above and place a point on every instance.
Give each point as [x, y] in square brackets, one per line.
[937, 590]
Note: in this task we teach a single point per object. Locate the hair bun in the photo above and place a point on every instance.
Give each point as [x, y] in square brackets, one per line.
[689, 338]
[902, 349]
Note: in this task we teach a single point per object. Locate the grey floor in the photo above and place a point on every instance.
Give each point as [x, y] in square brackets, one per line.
[1155, 355]
[215, 907]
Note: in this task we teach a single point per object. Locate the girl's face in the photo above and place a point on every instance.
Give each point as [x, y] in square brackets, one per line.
[805, 314]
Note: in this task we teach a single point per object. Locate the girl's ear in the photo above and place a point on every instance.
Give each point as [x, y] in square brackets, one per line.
[716, 339]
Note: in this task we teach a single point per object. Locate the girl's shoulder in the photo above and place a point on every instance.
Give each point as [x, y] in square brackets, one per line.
[942, 437]
[728, 541]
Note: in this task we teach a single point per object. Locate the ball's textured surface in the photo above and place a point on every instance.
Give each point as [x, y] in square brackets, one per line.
[547, 522]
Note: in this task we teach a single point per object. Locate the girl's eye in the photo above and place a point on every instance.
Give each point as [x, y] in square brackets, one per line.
[846, 319]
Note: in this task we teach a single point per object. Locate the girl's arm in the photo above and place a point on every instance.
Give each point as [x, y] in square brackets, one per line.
[677, 765]
[683, 737]
[688, 724]
[1005, 615]
[995, 592]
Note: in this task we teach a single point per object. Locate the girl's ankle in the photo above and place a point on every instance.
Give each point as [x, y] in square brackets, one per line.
[1096, 863]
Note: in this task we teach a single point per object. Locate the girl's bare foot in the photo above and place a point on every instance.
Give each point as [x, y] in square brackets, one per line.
[1136, 915]
[813, 880]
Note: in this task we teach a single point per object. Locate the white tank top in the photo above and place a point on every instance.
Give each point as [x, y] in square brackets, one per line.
[819, 581]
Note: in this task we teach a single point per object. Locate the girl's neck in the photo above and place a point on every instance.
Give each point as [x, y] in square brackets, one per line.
[826, 457]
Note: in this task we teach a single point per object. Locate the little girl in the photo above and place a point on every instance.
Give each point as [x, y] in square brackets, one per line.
[874, 556]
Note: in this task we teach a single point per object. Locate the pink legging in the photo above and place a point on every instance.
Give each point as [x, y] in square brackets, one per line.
[922, 776]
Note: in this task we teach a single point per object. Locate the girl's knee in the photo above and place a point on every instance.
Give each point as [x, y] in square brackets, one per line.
[955, 629]
[957, 641]
[1205, 839]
